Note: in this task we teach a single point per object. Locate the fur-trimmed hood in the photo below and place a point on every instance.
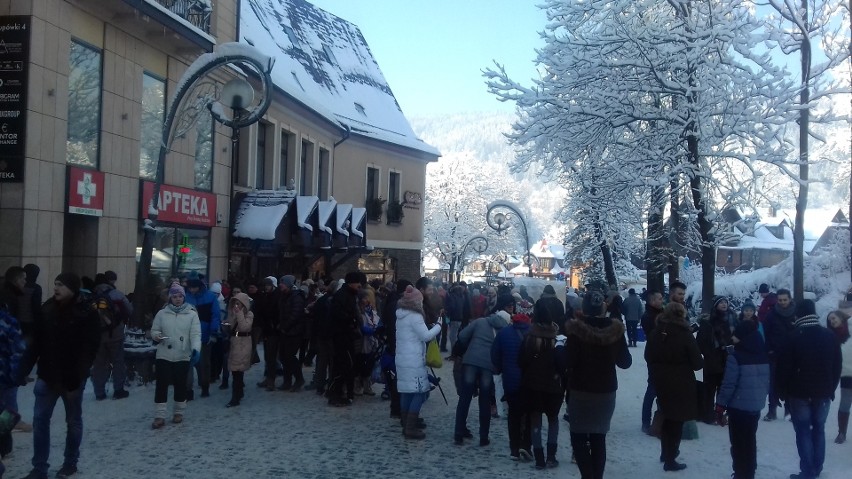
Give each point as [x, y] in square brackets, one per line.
[665, 319]
[602, 331]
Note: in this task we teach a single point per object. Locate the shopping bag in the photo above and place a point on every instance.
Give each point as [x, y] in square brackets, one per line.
[433, 355]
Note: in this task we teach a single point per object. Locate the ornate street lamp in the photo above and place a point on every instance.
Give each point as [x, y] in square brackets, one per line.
[499, 217]
[197, 92]
[478, 245]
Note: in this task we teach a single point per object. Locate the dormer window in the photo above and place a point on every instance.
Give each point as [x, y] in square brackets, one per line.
[329, 55]
[360, 109]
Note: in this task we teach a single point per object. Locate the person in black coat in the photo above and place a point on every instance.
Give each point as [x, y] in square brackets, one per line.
[266, 315]
[809, 366]
[293, 326]
[345, 321]
[714, 336]
[65, 341]
[388, 330]
[673, 355]
[653, 308]
[777, 326]
[548, 308]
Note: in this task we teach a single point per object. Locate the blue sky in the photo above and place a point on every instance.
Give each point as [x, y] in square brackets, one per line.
[432, 52]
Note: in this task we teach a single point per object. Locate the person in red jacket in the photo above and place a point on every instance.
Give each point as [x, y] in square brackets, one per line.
[768, 302]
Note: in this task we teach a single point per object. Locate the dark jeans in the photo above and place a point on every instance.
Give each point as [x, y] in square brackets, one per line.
[473, 376]
[171, 374]
[411, 403]
[670, 435]
[202, 369]
[217, 357]
[110, 357]
[712, 383]
[239, 386]
[631, 330]
[742, 429]
[444, 336]
[519, 424]
[256, 333]
[774, 400]
[393, 392]
[364, 364]
[271, 344]
[342, 371]
[648, 404]
[590, 453]
[45, 402]
[325, 349]
[809, 417]
[290, 361]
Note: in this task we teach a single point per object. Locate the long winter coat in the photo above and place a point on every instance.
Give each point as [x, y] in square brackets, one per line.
[595, 346]
[65, 342]
[746, 382]
[673, 356]
[182, 330]
[809, 364]
[411, 337]
[239, 356]
[206, 305]
[549, 308]
[504, 355]
[479, 336]
[714, 334]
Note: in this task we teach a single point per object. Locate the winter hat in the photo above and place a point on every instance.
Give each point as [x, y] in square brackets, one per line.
[412, 295]
[287, 280]
[548, 289]
[593, 303]
[216, 288]
[176, 288]
[521, 318]
[748, 304]
[805, 307]
[355, 277]
[517, 296]
[719, 299]
[71, 281]
[764, 288]
[269, 280]
[503, 301]
[193, 280]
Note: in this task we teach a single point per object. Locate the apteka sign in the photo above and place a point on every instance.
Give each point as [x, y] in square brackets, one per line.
[85, 191]
[181, 205]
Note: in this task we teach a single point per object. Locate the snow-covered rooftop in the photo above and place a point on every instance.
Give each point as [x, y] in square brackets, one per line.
[325, 63]
[260, 222]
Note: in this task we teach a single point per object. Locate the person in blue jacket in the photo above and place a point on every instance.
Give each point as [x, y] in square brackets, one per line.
[504, 357]
[206, 303]
[743, 393]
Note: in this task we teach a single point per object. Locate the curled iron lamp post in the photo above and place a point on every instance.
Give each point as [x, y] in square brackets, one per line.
[500, 215]
[478, 245]
[197, 92]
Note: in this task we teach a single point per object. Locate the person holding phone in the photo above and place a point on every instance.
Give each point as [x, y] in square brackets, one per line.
[177, 332]
[240, 320]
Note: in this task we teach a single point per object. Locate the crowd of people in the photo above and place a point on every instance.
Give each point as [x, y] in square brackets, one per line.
[533, 354]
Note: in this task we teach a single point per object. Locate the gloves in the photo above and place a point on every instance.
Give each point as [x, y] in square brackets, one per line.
[196, 356]
[368, 330]
[720, 416]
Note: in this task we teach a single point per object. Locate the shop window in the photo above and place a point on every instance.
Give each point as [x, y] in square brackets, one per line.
[204, 152]
[84, 105]
[322, 174]
[167, 261]
[153, 113]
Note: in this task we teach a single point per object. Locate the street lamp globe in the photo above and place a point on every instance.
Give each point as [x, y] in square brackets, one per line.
[237, 94]
[500, 220]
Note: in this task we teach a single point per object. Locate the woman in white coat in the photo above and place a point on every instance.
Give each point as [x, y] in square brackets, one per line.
[177, 332]
[412, 379]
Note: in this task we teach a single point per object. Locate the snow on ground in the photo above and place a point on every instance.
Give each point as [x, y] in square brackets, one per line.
[289, 435]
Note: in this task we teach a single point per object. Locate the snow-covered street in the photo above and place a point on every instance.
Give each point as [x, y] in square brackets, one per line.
[296, 435]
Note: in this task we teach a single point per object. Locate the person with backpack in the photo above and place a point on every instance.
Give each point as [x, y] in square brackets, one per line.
[65, 342]
[114, 311]
[541, 360]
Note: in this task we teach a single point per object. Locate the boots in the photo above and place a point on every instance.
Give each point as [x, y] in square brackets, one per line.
[410, 429]
[159, 415]
[359, 387]
[538, 454]
[368, 387]
[551, 456]
[842, 423]
[180, 407]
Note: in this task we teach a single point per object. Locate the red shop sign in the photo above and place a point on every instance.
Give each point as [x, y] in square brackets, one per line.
[181, 205]
[85, 191]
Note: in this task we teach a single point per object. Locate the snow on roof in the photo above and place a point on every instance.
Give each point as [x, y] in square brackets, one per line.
[325, 63]
[260, 222]
[542, 250]
[344, 217]
[263, 198]
[358, 215]
[305, 205]
[326, 208]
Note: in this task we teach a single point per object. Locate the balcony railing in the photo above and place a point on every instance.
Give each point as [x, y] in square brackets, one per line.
[196, 12]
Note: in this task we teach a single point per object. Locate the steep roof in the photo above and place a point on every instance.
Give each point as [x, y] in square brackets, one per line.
[324, 62]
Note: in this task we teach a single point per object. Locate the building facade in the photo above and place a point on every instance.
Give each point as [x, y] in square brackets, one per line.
[88, 107]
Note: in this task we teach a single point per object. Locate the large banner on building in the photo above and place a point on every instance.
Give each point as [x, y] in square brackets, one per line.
[181, 205]
[14, 65]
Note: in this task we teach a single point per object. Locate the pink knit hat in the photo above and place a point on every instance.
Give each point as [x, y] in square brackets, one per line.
[412, 295]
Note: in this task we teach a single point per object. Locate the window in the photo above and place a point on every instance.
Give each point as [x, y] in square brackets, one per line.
[165, 264]
[393, 187]
[372, 183]
[204, 152]
[305, 167]
[260, 157]
[153, 113]
[284, 172]
[84, 105]
[322, 174]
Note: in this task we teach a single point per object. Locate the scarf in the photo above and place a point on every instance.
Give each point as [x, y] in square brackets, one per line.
[178, 309]
[807, 321]
[788, 313]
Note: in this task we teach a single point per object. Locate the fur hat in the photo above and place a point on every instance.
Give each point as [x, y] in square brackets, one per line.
[71, 281]
[593, 302]
[805, 307]
[287, 280]
[176, 288]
